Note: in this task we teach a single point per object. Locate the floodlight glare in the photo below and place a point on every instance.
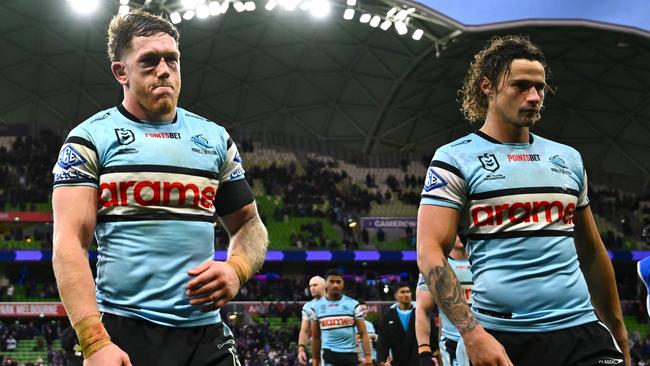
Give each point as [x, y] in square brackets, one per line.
[289, 5]
[250, 6]
[239, 6]
[202, 11]
[124, 9]
[401, 28]
[124, 2]
[189, 4]
[392, 12]
[386, 24]
[374, 22]
[320, 8]
[224, 6]
[84, 6]
[348, 14]
[352, 2]
[305, 6]
[188, 15]
[417, 35]
[215, 8]
[175, 17]
[271, 5]
[365, 18]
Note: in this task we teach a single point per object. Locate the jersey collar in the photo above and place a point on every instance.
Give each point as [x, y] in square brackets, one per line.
[127, 114]
[495, 141]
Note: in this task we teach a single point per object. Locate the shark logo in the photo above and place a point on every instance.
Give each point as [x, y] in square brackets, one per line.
[201, 141]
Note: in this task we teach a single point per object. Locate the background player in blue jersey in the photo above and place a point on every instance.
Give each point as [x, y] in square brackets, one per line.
[333, 324]
[147, 178]
[397, 344]
[522, 201]
[317, 290]
[372, 336]
[449, 336]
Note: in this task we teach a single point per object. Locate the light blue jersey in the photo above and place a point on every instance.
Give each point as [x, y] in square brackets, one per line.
[337, 320]
[462, 271]
[157, 184]
[307, 309]
[370, 329]
[517, 203]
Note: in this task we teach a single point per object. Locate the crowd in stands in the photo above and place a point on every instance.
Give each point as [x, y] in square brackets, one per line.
[43, 331]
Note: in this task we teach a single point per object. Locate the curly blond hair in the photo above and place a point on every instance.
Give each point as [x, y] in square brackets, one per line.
[492, 62]
[137, 23]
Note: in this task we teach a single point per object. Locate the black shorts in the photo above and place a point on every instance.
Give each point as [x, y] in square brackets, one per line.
[340, 358]
[589, 344]
[149, 344]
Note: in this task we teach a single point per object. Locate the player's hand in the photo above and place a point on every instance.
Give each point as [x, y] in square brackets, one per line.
[110, 355]
[302, 357]
[214, 283]
[484, 350]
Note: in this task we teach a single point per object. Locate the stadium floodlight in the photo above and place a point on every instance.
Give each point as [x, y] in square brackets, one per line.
[84, 6]
[271, 5]
[320, 8]
[189, 4]
[202, 11]
[123, 10]
[188, 15]
[417, 35]
[250, 6]
[392, 12]
[239, 6]
[175, 17]
[401, 16]
[305, 5]
[352, 2]
[124, 2]
[215, 8]
[224, 6]
[401, 28]
[386, 24]
[365, 18]
[289, 5]
[374, 22]
[348, 14]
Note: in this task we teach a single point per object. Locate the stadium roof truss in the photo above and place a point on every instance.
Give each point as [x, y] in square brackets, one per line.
[337, 82]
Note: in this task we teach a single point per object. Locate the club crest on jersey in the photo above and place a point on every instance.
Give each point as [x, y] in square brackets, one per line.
[69, 157]
[201, 141]
[433, 180]
[489, 162]
[237, 158]
[558, 161]
[124, 136]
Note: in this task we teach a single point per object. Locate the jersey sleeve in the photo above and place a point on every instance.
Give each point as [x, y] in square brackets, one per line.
[312, 314]
[231, 169]
[306, 311]
[583, 199]
[422, 284]
[444, 184]
[358, 312]
[78, 161]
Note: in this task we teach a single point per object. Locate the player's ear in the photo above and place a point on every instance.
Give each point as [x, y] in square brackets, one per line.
[486, 85]
[119, 72]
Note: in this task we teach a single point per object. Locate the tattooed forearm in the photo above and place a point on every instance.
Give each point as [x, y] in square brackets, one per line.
[252, 240]
[450, 297]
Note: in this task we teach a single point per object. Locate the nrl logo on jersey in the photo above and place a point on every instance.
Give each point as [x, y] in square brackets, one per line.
[124, 136]
[489, 162]
[69, 157]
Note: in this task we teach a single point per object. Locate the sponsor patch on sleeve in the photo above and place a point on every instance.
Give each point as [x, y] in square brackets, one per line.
[433, 180]
[69, 157]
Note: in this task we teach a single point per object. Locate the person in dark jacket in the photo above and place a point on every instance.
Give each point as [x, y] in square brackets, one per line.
[397, 345]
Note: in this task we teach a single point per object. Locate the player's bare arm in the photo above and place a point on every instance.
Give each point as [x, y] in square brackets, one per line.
[365, 341]
[436, 233]
[216, 283]
[599, 274]
[303, 337]
[75, 210]
[315, 342]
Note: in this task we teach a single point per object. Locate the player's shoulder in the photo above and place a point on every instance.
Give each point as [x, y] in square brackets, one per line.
[194, 118]
[348, 299]
[467, 142]
[558, 149]
[96, 121]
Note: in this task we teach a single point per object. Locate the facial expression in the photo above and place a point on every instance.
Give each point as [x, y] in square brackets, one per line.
[150, 70]
[519, 94]
[316, 287]
[403, 295]
[335, 285]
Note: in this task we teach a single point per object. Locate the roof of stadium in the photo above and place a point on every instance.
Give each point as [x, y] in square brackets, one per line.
[290, 78]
